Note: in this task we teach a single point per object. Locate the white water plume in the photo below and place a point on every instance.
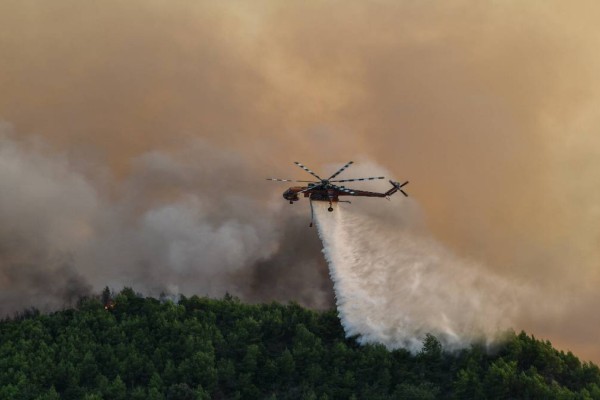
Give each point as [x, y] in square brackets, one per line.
[393, 284]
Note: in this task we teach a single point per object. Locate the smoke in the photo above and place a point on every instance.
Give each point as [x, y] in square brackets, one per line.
[147, 112]
[45, 209]
[178, 224]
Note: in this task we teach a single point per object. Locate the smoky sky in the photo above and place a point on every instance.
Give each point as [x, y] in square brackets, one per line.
[137, 135]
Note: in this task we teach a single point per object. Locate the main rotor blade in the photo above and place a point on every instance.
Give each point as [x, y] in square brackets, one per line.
[310, 188]
[343, 189]
[288, 180]
[340, 170]
[308, 170]
[359, 179]
[404, 184]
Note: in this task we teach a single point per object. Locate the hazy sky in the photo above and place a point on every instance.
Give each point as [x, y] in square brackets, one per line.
[136, 135]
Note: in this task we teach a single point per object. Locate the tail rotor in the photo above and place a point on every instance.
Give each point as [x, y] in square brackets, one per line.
[397, 187]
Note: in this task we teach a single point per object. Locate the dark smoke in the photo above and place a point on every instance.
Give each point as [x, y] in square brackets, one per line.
[297, 268]
[42, 285]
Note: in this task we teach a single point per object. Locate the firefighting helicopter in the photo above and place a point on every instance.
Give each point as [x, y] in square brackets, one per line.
[328, 190]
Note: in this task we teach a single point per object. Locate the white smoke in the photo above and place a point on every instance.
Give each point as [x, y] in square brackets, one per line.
[393, 284]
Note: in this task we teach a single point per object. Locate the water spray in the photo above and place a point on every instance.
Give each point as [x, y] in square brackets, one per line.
[393, 285]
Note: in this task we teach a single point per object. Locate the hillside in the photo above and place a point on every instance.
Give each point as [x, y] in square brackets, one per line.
[200, 348]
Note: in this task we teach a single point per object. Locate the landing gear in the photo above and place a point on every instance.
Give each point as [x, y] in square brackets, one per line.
[291, 202]
[330, 209]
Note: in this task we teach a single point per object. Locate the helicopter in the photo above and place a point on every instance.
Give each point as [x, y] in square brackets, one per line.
[328, 189]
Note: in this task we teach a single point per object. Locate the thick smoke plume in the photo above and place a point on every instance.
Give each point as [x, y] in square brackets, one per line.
[178, 224]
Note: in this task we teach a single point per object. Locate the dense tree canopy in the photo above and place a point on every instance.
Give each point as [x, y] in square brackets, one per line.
[130, 347]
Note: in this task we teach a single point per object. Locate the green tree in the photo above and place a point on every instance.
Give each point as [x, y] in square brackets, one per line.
[180, 391]
[117, 389]
[500, 379]
[201, 348]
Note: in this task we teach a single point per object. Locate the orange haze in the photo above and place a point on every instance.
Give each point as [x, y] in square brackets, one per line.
[489, 108]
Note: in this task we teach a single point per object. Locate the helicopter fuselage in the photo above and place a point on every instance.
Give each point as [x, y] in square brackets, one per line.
[329, 190]
[319, 194]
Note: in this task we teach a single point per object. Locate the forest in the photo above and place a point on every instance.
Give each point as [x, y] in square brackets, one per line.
[125, 346]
